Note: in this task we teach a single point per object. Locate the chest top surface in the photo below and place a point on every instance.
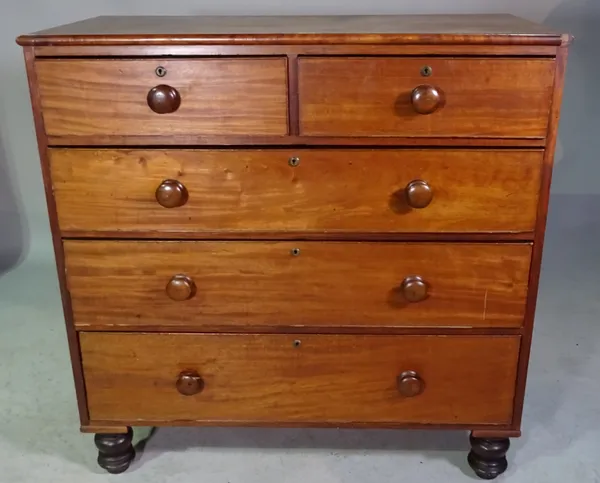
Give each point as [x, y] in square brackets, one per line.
[375, 29]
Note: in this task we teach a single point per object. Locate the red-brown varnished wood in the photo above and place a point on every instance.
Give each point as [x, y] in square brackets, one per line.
[366, 96]
[241, 96]
[329, 141]
[72, 337]
[295, 50]
[103, 429]
[310, 284]
[335, 379]
[496, 433]
[328, 191]
[346, 29]
[487, 237]
[542, 214]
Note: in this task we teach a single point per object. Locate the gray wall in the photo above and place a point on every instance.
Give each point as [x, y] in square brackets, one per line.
[24, 230]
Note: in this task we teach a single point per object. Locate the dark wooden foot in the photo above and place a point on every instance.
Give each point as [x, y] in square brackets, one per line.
[115, 451]
[488, 456]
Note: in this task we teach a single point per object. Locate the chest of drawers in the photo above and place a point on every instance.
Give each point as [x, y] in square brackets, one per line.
[302, 221]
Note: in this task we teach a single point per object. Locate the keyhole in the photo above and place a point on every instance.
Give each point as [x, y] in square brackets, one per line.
[294, 161]
[426, 71]
[295, 252]
[297, 343]
[161, 71]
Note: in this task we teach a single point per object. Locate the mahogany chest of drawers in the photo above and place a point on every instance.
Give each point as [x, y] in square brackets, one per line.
[301, 221]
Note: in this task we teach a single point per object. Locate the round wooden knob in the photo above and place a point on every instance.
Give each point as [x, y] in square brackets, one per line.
[171, 194]
[427, 99]
[189, 383]
[410, 384]
[180, 288]
[164, 99]
[414, 289]
[418, 194]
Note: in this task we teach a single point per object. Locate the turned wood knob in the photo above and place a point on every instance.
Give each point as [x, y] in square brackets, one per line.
[180, 288]
[418, 194]
[164, 99]
[410, 384]
[189, 383]
[427, 99]
[171, 194]
[414, 289]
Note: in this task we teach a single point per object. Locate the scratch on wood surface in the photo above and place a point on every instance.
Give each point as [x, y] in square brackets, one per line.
[485, 304]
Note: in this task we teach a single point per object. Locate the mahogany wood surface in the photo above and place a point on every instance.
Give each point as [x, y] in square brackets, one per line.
[343, 29]
[124, 283]
[328, 191]
[217, 96]
[295, 50]
[366, 96]
[331, 378]
[542, 215]
[42, 144]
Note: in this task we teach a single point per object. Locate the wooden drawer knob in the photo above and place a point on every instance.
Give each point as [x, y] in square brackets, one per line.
[414, 289]
[410, 384]
[164, 99]
[180, 288]
[171, 194]
[418, 194]
[427, 99]
[189, 383]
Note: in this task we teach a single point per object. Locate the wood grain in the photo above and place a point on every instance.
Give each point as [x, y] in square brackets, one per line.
[542, 215]
[371, 96]
[218, 96]
[42, 144]
[198, 50]
[325, 378]
[347, 191]
[334, 284]
[345, 29]
[278, 141]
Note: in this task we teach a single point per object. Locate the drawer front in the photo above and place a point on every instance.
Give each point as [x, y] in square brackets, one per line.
[389, 96]
[310, 378]
[215, 285]
[356, 191]
[245, 96]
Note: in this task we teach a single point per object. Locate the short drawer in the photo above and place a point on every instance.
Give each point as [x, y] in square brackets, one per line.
[322, 379]
[188, 97]
[216, 285]
[174, 192]
[419, 97]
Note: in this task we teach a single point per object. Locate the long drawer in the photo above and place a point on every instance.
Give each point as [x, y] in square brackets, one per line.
[170, 192]
[163, 97]
[323, 379]
[427, 96]
[215, 285]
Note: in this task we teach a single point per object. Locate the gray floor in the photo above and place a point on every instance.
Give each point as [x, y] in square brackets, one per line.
[40, 442]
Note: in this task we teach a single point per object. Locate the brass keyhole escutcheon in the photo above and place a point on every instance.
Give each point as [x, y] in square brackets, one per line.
[294, 161]
[426, 71]
[295, 252]
[297, 343]
[160, 71]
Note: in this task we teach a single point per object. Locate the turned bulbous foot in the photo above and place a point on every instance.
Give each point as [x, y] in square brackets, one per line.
[487, 457]
[115, 451]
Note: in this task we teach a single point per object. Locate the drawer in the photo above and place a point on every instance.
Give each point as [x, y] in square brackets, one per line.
[323, 379]
[216, 285]
[244, 96]
[463, 97]
[352, 191]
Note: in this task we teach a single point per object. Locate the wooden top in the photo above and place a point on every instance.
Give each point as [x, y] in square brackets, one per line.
[388, 29]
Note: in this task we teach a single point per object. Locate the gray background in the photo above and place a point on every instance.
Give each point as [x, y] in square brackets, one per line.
[39, 440]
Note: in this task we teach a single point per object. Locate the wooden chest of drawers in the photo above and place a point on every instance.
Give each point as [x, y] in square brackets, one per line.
[320, 221]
